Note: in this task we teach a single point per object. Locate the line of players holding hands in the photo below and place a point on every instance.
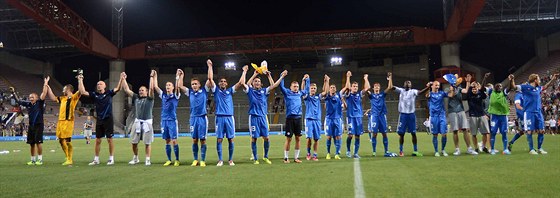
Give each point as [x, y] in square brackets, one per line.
[527, 100]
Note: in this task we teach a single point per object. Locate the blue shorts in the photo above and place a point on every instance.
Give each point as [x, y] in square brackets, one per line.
[169, 129]
[407, 123]
[199, 127]
[258, 126]
[355, 126]
[313, 129]
[498, 122]
[377, 123]
[438, 124]
[225, 125]
[533, 121]
[333, 127]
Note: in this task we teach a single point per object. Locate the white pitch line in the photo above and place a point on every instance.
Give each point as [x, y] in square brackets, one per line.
[358, 182]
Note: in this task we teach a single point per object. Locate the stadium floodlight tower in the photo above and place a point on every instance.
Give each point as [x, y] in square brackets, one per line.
[117, 23]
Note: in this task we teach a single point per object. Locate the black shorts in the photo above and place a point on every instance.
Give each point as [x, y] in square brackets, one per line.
[35, 134]
[293, 127]
[104, 128]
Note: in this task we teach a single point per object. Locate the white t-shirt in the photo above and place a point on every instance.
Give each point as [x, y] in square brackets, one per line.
[552, 123]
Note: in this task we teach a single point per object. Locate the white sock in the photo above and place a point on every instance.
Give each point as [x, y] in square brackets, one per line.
[40, 157]
[135, 157]
[147, 158]
[32, 158]
[297, 154]
[286, 154]
[111, 158]
[96, 158]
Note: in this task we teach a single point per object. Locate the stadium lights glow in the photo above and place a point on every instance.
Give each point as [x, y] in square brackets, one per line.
[336, 61]
[1, 45]
[230, 66]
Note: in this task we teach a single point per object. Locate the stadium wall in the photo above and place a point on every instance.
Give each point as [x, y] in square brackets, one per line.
[545, 45]
[26, 64]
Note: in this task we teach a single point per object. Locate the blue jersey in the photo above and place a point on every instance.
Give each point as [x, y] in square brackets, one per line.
[435, 103]
[531, 97]
[169, 106]
[258, 104]
[312, 104]
[377, 103]
[292, 101]
[519, 100]
[224, 101]
[354, 102]
[198, 101]
[334, 106]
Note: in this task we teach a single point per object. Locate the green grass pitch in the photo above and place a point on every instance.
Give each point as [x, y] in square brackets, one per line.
[516, 175]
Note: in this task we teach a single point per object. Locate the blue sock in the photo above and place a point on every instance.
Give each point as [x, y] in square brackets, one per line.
[329, 145]
[443, 142]
[540, 140]
[515, 137]
[337, 145]
[356, 145]
[266, 147]
[195, 151]
[168, 151]
[231, 147]
[374, 144]
[386, 144]
[254, 149]
[203, 154]
[530, 141]
[415, 147]
[348, 142]
[400, 147]
[435, 142]
[176, 151]
[309, 150]
[504, 140]
[219, 149]
[492, 140]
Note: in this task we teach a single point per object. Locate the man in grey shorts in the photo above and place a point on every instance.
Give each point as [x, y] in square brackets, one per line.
[458, 119]
[478, 119]
[88, 129]
[142, 128]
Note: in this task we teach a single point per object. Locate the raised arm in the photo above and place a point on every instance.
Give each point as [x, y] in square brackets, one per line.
[367, 86]
[483, 83]
[282, 75]
[270, 79]
[425, 88]
[305, 84]
[50, 94]
[250, 81]
[554, 77]
[468, 79]
[347, 84]
[242, 79]
[511, 85]
[45, 88]
[179, 82]
[154, 78]
[118, 87]
[125, 85]
[390, 79]
[81, 87]
[151, 86]
[210, 82]
[325, 85]
[428, 86]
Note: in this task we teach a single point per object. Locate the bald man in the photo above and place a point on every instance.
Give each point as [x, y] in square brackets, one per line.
[104, 109]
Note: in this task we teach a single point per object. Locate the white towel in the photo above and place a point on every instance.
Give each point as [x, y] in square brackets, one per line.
[142, 125]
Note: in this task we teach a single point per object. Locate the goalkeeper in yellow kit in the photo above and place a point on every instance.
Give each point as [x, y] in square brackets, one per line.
[65, 126]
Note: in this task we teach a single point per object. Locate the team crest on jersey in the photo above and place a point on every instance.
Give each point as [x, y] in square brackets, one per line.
[262, 92]
[227, 92]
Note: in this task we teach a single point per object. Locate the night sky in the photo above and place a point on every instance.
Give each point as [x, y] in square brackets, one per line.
[173, 19]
